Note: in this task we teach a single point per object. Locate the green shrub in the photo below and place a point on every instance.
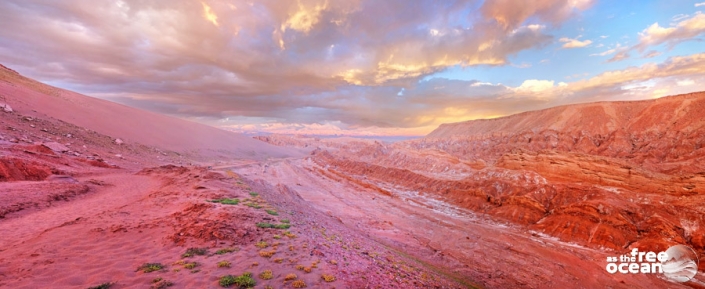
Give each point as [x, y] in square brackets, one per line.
[273, 226]
[243, 281]
[225, 251]
[253, 205]
[190, 252]
[227, 280]
[150, 267]
[226, 201]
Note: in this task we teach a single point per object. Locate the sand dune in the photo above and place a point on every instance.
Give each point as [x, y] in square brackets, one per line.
[129, 124]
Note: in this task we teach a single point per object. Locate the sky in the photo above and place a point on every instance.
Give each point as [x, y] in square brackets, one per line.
[356, 67]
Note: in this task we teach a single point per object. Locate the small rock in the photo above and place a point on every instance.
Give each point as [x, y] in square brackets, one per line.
[118, 141]
[6, 107]
[31, 125]
[118, 156]
[55, 146]
[14, 140]
[68, 135]
[44, 130]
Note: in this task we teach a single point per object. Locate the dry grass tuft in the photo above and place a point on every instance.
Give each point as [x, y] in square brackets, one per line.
[328, 278]
[266, 275]
[267, 254]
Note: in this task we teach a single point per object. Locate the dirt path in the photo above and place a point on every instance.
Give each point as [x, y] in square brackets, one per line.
[119, 190]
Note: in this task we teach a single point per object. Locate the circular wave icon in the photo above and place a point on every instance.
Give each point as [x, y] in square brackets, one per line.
[681, 264]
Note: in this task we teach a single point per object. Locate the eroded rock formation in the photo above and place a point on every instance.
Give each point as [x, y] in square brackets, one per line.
[610, 175]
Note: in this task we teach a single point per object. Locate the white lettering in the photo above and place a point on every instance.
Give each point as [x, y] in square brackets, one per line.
[654, 266]
[633, 268]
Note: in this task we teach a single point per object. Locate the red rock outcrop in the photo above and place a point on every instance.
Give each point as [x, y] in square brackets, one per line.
[610, 175]
[15, 169]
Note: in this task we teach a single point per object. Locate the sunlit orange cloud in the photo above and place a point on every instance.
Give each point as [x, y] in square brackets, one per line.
[673, 67]
[209, 15]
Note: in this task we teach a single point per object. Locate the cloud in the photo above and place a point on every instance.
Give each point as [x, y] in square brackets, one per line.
[686, 29]
[672, 67]
[316, 43]
[652, 53]
[574, 43]
[209, 15]
[619, 56]
[679, 17]
[685, 82]
[616, 48]
[510, 13]
[699, 4]
[536, 86]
